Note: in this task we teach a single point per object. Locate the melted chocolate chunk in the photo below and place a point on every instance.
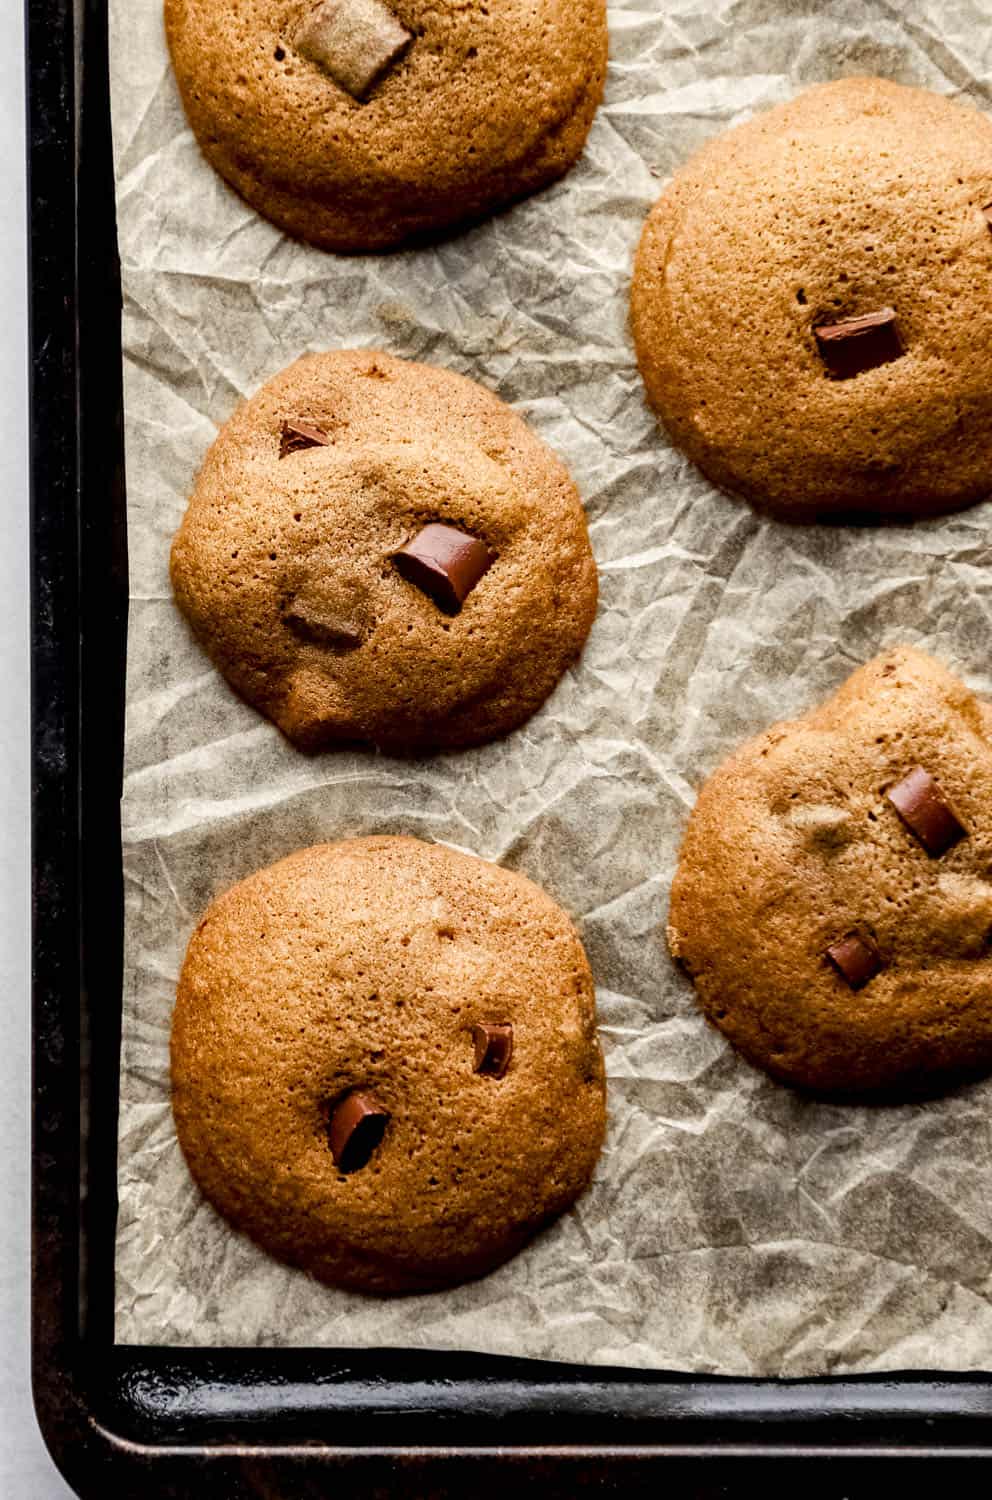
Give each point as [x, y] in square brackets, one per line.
[926, 812]
[445, 564]
[355, 1128]
[493, 1048]
[857, 344]
[855, 958]
[297, 434]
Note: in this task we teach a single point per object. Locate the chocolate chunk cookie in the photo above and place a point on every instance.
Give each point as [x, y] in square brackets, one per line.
[384, 1062]
[363, 124]
[812, 305]
[833, 898]
[382, 551]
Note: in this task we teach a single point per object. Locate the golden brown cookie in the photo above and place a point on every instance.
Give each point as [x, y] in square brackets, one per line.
[385, 1066]
[383, 551]
[833, 898]
[757, 270]
[360, 125]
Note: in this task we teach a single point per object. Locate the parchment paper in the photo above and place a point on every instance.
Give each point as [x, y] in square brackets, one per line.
[733, 1226]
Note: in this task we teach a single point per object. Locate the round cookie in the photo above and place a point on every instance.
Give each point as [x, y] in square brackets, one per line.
[858, 198]
[833, 897]
[359, 125]
[360, 970]
[286, 562]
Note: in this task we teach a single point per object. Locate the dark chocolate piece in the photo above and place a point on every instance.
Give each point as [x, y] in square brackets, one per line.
[493, 1048]
[356, 1126]
[987, 211]
[858, 344]
[354, 41]
[444, 563]
[297, 435]
[926, 812]
[855, 958]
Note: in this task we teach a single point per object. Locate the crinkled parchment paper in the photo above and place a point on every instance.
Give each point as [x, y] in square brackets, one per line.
[732, 1226]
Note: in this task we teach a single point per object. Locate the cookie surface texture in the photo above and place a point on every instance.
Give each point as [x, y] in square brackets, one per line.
[287, 563]
[812, 305]
[833, 897]
[358, 970]
[363, 125]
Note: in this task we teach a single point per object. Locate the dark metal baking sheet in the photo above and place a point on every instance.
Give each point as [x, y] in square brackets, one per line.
[288, 1424]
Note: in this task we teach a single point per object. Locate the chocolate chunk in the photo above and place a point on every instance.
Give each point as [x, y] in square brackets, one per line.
[859, 344]
[296, 435]
[855, 958]
[987, 211]
[926, 812]
[356, 1126]
[444, 563]
[493, 1048]
[355, 41]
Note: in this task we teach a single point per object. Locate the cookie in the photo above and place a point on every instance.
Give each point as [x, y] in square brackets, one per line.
[382, 551]
[385, 1067]
[812, 301]
[833, 898]
[362, 125]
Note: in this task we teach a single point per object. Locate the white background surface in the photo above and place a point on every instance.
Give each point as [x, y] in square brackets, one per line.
[26, 1471]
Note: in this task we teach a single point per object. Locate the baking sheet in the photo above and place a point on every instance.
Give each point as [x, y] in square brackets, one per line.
[733, 1227]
